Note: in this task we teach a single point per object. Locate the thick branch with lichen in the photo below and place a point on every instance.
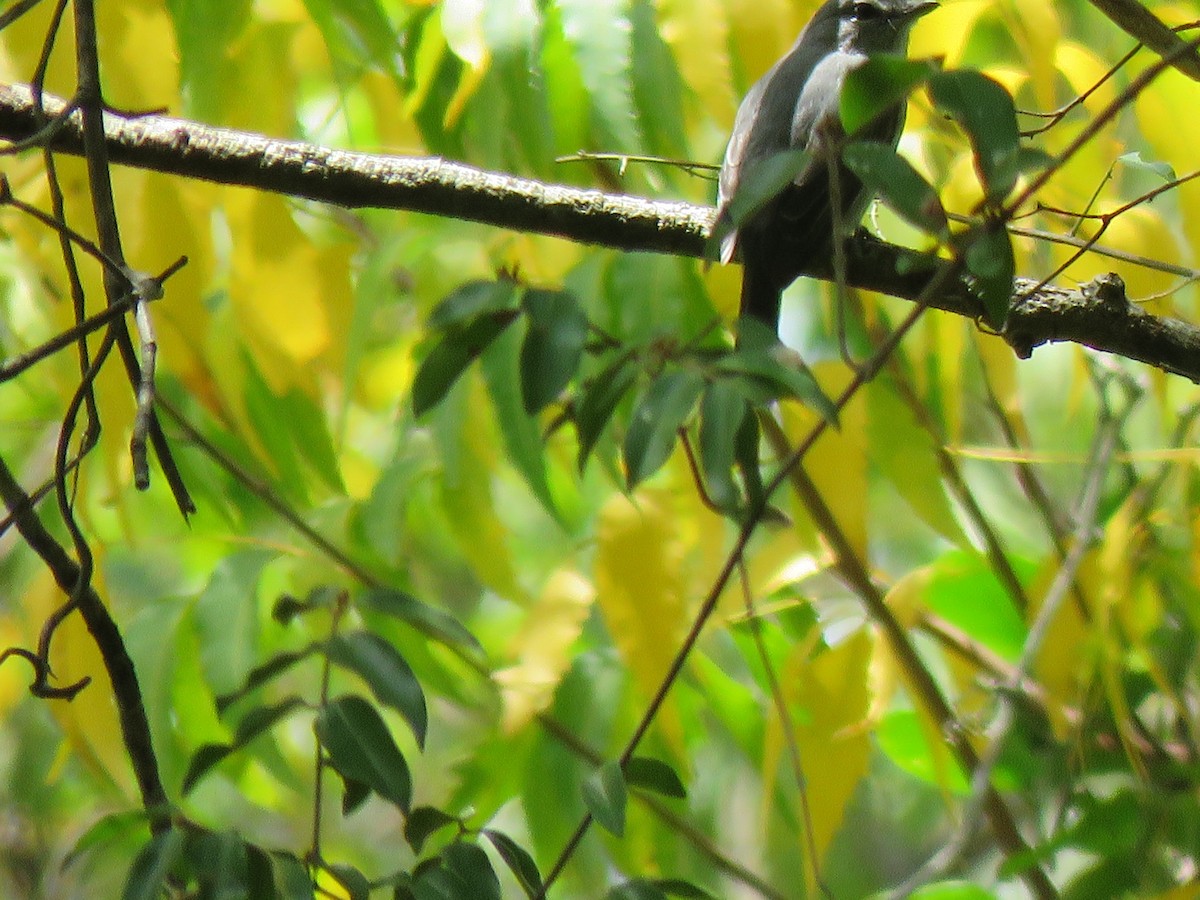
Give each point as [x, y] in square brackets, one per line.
[1098, 315]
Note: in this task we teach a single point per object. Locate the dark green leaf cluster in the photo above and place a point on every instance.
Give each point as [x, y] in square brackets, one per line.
[984, 110]
[661, 384]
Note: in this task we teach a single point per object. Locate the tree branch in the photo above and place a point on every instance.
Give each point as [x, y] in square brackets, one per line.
[1098, 315]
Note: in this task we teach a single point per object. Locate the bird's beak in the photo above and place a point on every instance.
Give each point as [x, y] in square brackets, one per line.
[915, 12]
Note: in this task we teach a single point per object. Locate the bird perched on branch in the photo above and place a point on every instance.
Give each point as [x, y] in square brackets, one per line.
[795, 107]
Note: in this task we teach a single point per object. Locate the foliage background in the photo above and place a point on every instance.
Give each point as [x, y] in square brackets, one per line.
[291, 340]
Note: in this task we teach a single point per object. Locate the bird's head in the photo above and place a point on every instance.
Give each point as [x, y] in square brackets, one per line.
[878, 26]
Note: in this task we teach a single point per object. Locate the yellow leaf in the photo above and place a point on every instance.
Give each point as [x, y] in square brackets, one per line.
[261, 65]
[139, 60]
[182, 314]
[837, 463]
[396, 130]
[1173, 138]
[538, 259]
[639, 586]
[1035, 26]
[832, 697]
[466, 493]
[1064, 675]
[1141, 232]
[698, 35]
[543, 647]
[905, 453]
[947, 342]
[462, 25]
[1083, 70]
[282, 288]
[947, 31]
[724, 285]
[90, 722]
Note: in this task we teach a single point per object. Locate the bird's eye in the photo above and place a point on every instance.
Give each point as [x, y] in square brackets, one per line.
[864, 12]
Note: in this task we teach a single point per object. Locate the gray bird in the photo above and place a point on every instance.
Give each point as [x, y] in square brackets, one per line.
[795, 107]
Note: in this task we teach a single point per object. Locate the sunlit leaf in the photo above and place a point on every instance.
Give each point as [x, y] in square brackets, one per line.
[901, 187]
[951, 890]
[986, 113]
[878, 85]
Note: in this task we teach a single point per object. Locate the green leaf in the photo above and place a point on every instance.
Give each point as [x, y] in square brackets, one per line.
[722, 409]
[358, 34]
[599, 401]
[605, 795]
[155, 862]
[636, 889]
[1134, 160]
[361, 748]
[892, 177]
[654, 775]
[354, 881]
[951, 890]
[990, 618]
[264, 674]
[382, 667]
[904, 739]
[759, 185]
[984, 109]
[221, 863]
[203, 34]
[463, 873]
[659, 414]
[422, 822]
[599, 34]
[746, 449]
[880, 84]
[227, 621]
[354, 795]
[522, 433]
[784, 380]
[658, 88]
[470, 300]
[553, 346]
[518, 860]
[989, 260]
[106, 832]
[514, 34]
[460, 346]
[253, 723]
[434, 623]
[289, 876]
[677, 887]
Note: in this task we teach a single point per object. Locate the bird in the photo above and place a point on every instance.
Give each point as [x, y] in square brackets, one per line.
[795, 106]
